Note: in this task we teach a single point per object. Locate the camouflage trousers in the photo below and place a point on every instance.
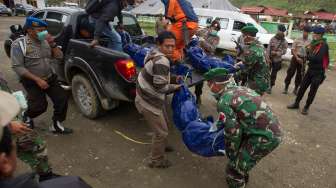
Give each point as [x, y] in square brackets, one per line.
[259, 85]
[252, 150]
[32, 150]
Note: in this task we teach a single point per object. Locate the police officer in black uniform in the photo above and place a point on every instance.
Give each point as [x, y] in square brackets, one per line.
[318, 57]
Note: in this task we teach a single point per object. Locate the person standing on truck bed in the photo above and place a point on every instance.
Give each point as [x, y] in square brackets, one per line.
[184, 23]
[298, 61]
[276, 49]
[101, 13]
[153, 84]
[318, 62]
[31, 57]
[209, 40]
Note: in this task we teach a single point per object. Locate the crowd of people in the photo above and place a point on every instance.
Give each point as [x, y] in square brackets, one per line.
[251, 128]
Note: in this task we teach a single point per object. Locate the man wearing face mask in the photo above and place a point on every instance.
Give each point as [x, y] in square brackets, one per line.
[318, 62]
[253, 57]
[209, 41]
[31, 58]
[251, 130]
[275, 50]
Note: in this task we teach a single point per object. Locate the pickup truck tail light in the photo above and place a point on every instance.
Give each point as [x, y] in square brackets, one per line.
[126, 68]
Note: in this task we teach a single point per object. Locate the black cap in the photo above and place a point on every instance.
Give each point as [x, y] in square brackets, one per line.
[282, 28]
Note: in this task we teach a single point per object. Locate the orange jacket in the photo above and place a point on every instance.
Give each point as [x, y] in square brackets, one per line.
[178, 10]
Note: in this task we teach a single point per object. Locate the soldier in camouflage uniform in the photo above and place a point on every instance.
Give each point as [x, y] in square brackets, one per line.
[209, 41]
[253, 56]
[251, 129]
[275, 50]
[31, 148]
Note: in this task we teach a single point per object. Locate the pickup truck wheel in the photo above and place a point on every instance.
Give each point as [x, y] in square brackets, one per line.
[86, 97]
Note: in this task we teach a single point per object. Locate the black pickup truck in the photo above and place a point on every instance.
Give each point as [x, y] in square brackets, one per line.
[99, 77]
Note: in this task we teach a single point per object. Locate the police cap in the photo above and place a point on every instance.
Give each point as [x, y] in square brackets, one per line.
[35, 22]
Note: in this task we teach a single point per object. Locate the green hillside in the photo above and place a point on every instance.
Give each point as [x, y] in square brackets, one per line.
[291, 5]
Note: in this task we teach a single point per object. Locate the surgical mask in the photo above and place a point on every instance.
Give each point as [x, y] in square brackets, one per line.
[214, 32]
[42, 35]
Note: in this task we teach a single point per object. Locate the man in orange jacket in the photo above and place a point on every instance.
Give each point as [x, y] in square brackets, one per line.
[184, 23]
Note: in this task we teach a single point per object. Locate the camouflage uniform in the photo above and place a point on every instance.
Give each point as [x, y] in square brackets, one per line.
[241, 76]
[251, 131]
[257, 70]
[31, 148]
[209, 43]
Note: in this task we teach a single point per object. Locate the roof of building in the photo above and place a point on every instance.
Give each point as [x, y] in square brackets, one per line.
[324, 16]
[252, 10]
[264, 10]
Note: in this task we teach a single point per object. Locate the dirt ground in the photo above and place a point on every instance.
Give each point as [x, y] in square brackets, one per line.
[305, 159]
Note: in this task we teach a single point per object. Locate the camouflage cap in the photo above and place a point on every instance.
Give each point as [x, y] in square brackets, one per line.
[217, 75]
[249, 29]
[9, 108]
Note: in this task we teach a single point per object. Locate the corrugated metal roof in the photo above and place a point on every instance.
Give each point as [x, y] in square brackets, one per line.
[252, 10]
[275, 12]
[324, 16]
[265, 11]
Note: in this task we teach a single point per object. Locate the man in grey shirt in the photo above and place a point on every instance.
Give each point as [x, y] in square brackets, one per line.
[31, 57]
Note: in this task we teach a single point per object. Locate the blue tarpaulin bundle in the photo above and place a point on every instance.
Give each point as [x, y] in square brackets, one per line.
[203, 63]
[184, 108]
[137, 53]
[201, 141]
[181, 69]
[195, 132]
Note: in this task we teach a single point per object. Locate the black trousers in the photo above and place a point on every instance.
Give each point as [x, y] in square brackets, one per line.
[37, 101]
[295, 67]
[198, 89]
[275, 67]
[313, 79]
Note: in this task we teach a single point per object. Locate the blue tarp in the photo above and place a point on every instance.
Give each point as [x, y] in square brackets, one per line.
[137, 53]
[203, 63]
[195, 132]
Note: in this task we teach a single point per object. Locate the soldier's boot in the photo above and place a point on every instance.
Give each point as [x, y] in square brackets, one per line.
[305, 110]
[295, 105]
[285, 91]
[198, 100]
[57, 128]
[295, 91]
[47, 176]
[160, 164]
[27, 120]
